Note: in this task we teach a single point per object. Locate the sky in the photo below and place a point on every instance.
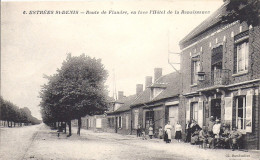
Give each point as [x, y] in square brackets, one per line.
[130, 46]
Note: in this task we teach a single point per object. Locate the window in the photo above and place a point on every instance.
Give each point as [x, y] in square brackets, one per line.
[241, 113]
[98, 123]
[119, 122]
[155, 92]
[111, 122]
[242, 56]
[195, 68]
[126, 121]
[194, 111]
[136, 112]
[241, 52]
[149, 118]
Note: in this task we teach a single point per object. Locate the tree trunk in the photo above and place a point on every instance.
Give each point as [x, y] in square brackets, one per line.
[69, 123]
[79, 126]
[14, 124]
[4, 123]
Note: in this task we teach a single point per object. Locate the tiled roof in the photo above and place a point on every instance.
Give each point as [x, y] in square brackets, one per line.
[173, 85]
[171, 82]
[143, 97]
[127, 102]
[211, 21]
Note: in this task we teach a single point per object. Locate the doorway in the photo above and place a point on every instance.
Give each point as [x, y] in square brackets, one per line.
[149, 119]
[216, 108]
[173, 117]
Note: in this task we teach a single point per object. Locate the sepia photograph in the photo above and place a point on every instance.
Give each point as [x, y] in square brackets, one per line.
[130, 80]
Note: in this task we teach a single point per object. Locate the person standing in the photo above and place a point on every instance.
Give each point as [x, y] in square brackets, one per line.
[138, 131]
[150, 132]
[216, 132]
[160, 132]
[188, 132]
[216, 129]
[168, 129]
[178, 130]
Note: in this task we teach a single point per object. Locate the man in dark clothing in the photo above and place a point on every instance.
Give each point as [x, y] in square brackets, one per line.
[188, 132]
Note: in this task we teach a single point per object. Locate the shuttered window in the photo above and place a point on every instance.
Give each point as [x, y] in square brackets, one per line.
[241, 113]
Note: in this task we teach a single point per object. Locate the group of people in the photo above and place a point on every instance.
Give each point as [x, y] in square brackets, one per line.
[215, 135]
[165, 134]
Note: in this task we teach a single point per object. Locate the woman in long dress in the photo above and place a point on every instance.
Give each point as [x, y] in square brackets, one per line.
[178, 130]
[168, 129]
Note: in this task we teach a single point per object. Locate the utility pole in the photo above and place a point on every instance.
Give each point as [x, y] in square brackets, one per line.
[172, 54]
[114, 86]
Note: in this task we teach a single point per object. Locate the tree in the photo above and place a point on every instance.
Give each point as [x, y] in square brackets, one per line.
[13, 114]
[75, 91]
[244, 11]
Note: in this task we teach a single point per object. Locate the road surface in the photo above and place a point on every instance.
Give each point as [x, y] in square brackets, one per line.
[41, 143]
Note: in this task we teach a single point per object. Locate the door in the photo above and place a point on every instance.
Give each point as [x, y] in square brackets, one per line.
[149, 119]
[216, 108]
[116, 125]
[87, 124]
[173, 117]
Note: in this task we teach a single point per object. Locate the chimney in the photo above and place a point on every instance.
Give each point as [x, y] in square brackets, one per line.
[148, 81]
[157, 73]
[139, 89]
[120, 95]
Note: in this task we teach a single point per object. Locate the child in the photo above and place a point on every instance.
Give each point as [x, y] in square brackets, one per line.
[151, 132]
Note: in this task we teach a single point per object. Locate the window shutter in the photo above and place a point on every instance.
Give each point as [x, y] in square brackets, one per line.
[192, 72]
[228, 110]
[200, 114]
[235, 60]
[249, 110]
[126, 121]
[187, 111]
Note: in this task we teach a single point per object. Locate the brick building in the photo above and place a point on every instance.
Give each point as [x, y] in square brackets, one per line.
[220, 68]
[119, 120]
[158, 103]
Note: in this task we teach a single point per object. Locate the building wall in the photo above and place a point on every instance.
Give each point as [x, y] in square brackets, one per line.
[203, 46]
[125, 124]
[96, 123]
[226, 38]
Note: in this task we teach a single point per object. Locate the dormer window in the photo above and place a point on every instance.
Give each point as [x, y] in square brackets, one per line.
[155, 92]
[156, 89]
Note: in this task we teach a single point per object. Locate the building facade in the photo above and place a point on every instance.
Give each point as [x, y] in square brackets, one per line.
[158, 104]
[220, 68]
